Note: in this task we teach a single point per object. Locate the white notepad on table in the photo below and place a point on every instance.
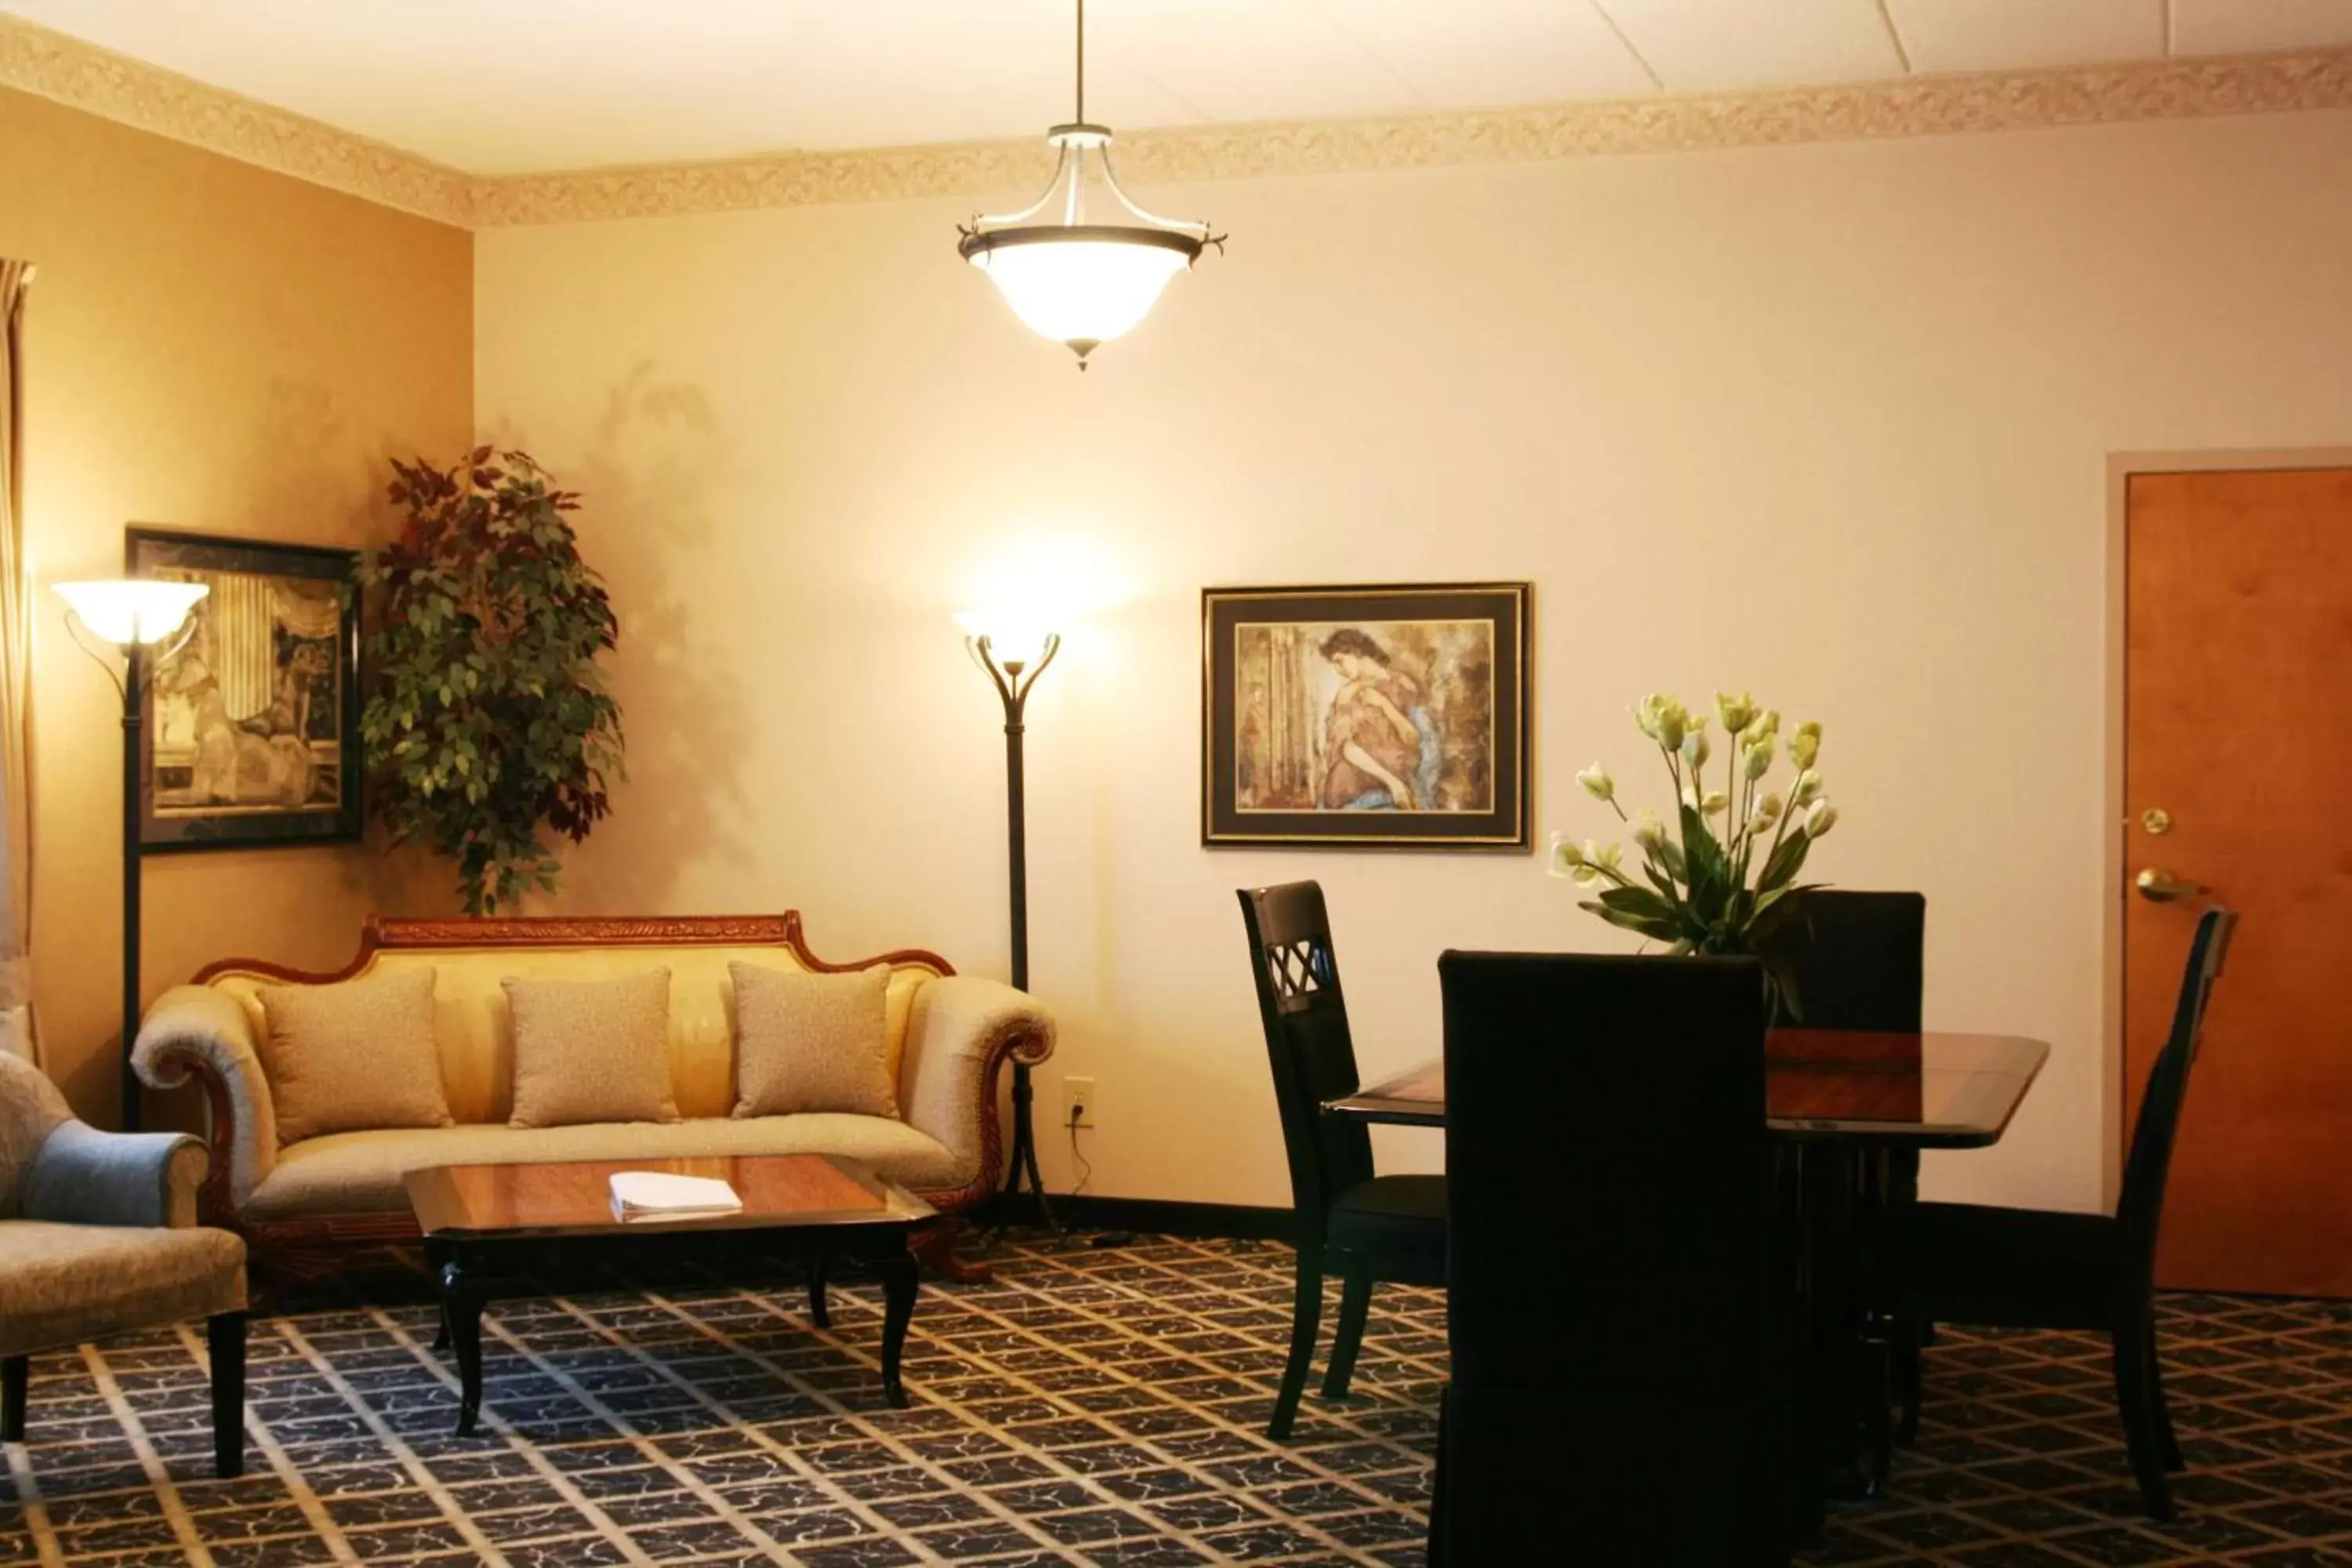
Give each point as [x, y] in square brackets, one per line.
[656, 1194]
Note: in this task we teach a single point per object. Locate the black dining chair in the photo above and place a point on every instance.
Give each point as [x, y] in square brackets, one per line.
[1612, 1318]
[1856, 960]
[1363, 1228]
[2025, 1268]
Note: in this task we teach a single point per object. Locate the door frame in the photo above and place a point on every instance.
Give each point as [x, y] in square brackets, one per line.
[2121, 467]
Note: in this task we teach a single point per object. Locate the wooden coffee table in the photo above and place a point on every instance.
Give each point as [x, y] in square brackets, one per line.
[494, 1231]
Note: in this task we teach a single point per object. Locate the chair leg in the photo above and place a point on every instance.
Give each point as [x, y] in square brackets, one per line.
[1355, 1305]
[225, 1335]
[2133, 1360]
[1441, 1485]
[1877, 1411]
[1911, 1352]
[16, 1374]
[1907, 1355]
[1305, 1319]
[2167, 1442]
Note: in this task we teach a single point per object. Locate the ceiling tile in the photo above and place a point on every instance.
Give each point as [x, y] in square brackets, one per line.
[2015, 35]
[2242, 26]
[1248, 59]
[1718, 46]
[539, 84]
[1473, 53]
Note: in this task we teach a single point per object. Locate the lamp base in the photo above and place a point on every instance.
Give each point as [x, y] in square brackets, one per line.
[1025, 1156]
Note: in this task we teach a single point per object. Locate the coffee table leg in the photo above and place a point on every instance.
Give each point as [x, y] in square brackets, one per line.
[435, 1258]
[820, 1314]
[899, 1281]
[461, 1320]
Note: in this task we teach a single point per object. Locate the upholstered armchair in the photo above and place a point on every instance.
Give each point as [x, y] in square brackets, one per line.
[98, 1237]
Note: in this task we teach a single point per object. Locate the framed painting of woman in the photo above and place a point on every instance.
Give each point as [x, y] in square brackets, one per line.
[250, 733]
[1394, 717]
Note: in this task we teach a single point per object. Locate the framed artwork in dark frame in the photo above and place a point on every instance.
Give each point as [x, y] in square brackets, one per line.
[250, 731]
[1386, 716]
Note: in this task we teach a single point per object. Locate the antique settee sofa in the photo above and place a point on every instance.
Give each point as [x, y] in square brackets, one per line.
[955, 1033]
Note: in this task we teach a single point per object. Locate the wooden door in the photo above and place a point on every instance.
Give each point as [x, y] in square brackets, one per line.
[2237, 690]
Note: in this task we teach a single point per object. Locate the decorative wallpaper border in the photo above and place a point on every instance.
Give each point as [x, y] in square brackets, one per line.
[82, 75]
[56, 66]
[1919, 106]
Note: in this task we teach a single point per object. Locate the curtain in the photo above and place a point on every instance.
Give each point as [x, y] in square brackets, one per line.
[16, 1031]
[236, 616]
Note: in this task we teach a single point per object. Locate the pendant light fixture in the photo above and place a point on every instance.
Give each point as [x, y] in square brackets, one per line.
[1080, 283]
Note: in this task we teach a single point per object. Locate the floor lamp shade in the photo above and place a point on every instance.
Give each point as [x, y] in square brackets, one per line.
[129, 611]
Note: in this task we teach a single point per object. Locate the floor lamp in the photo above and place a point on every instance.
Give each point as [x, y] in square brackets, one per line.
[1014, 658]
[135, 615]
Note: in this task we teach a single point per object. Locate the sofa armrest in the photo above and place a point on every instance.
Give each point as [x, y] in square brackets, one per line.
[83, 1177]
[959, 1033]
[196, 1031]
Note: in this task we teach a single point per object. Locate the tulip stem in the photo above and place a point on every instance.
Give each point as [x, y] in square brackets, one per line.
[1781, 829]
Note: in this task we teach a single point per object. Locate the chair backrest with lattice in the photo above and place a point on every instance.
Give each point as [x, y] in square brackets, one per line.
[1305, 1014]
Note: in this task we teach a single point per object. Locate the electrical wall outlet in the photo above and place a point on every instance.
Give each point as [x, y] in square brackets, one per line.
[1077, 1102]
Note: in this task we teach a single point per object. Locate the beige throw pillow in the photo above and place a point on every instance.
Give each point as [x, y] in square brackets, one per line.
[591, 1050]
[357, 1055]
[812, 1042]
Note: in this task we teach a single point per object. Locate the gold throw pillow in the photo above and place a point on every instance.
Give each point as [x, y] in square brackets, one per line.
[358, 1054]
[812, 1042]
[591, 1050]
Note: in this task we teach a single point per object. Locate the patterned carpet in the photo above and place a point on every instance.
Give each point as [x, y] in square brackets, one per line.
[1092, 1407]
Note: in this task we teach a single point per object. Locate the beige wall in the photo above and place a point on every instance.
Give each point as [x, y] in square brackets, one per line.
[1828, 421]
[209, 346]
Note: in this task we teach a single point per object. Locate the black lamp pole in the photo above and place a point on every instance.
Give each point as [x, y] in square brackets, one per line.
[142, 649]
[133, 660]
[1013, 679]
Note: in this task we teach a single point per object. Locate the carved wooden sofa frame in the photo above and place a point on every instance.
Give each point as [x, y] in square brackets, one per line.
[1024, 1035]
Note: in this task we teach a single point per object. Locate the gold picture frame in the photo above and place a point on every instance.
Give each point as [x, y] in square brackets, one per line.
[1390, 716]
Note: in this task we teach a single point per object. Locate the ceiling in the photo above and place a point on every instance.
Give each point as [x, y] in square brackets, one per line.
[496, 86]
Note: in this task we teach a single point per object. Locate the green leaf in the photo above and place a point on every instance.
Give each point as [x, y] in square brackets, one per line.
[1785, 863]
[1663, 931]
[1638, 902]
[1710, 875]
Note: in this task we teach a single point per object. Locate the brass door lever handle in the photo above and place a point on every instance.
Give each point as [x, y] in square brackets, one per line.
[2157, 887]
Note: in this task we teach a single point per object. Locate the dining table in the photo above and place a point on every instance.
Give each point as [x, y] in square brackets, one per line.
[1846, 1109]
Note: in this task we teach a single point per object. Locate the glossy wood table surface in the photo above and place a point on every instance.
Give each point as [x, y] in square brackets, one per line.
[574, 1198]
[1930, 1090]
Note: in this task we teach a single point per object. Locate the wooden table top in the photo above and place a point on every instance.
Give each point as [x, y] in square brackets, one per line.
[1929, 1090]
[574, 1198]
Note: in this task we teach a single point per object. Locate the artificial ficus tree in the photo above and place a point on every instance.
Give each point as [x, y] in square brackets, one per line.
[487, 726]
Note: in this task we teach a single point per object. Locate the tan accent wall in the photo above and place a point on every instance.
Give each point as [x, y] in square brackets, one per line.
[1828, 421]
[213, 346]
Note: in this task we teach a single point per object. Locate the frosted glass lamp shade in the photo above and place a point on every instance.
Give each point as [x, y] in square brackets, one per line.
[129, 611]
[1014, 638]
[1082, 285]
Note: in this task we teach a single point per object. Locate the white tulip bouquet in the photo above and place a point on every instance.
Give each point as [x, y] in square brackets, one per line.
[1710, 887]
